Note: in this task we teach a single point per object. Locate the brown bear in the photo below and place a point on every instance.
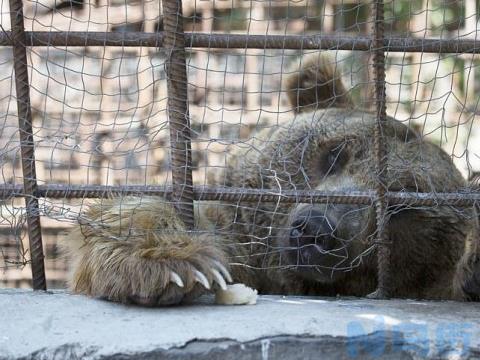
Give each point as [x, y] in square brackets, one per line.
[137, 250]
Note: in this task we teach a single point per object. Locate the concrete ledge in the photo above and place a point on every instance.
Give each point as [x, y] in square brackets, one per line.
[62, 326]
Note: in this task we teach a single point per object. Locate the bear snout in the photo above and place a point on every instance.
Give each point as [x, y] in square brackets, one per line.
[312, 234]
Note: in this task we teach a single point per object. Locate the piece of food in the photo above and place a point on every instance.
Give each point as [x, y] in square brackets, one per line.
[236, 294]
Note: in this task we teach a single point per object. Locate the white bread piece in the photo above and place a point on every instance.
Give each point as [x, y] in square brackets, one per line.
[236, 294]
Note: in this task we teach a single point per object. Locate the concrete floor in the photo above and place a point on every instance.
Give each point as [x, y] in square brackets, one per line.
[37, 325]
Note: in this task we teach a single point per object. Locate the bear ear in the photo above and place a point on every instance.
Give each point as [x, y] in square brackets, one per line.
[316, 85]
[401, 131]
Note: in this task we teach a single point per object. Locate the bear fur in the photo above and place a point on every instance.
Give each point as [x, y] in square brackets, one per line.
[137, 250]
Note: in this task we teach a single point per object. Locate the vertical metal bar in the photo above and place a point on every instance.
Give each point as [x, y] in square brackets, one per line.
[179, 120]
[383, 245]
[27, 145]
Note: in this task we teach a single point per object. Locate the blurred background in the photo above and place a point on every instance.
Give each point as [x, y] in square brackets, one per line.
[99, 113]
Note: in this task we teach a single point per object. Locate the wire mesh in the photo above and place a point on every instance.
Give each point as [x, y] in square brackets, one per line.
[106, 125]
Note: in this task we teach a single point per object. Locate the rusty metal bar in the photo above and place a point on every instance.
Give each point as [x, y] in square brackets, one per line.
[242, 41]
[27, 145]
[52, 191]
[384, 285]
[178, 116]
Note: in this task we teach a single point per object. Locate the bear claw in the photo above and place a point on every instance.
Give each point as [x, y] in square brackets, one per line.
[223, 271]
[176, 279]
[202, 279]
[219, 279]
[220, 276]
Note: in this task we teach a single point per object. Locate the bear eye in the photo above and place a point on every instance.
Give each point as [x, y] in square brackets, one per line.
[334, 160]
[332, 157]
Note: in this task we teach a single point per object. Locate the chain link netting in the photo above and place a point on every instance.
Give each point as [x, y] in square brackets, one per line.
[100, 98]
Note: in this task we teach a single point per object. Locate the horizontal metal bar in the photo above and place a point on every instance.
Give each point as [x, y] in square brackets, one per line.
[460, 199]
[243, 41]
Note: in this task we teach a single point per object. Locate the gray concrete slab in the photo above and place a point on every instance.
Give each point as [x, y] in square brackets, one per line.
[37, 325]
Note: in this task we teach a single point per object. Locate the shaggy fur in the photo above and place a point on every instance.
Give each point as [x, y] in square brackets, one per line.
[125, 248]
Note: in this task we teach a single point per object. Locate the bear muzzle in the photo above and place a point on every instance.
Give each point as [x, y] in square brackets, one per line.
[311, 237]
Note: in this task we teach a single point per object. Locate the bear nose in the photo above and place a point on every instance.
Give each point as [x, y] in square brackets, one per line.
[313, 228]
